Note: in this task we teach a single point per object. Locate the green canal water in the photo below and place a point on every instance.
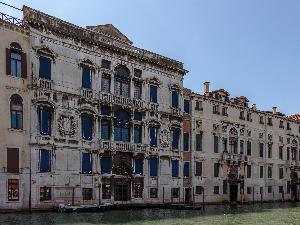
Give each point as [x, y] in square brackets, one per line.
[266, 214]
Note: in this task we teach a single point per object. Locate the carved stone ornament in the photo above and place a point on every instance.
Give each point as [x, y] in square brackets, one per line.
[215, 127]
[66, 125]
[199, 125]
[224, 129]
[165, 138]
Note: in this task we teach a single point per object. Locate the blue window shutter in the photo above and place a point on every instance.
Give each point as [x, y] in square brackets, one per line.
[86, 78]
[118, 134]
[45, 121]
[175, 99]
[186, 169]
[186, 141]
[176, 138]
[45, 161]
[87, 163]
[186, 106]
[153, 93]
[45, 68]
[153, 167]
[105, 130]
[126, 134]
[138, 166]
[87, 127]
[153, 136]
[105, 165]
[175, 168]
[138, 134]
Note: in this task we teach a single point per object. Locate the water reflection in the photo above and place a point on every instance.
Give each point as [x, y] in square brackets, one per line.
[286, 213]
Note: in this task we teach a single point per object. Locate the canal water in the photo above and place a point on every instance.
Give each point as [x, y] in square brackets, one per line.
[265, 214]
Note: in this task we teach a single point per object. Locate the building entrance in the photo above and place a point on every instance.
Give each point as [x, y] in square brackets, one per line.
[233, 192]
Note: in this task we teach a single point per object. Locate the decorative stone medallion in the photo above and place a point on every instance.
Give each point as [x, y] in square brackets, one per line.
[66, 125]
[165, 138]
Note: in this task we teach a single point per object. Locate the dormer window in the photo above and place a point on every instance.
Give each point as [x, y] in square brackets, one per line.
[199, 106]
[216, 109]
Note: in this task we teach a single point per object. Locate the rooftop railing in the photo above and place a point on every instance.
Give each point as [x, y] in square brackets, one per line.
[11, 19]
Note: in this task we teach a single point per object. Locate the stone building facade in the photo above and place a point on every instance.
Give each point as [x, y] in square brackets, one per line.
[106, 122]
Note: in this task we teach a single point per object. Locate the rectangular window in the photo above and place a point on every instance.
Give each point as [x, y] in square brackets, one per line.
[269, 172]
[281, 152]
[45, 68]
[288, 187]
[87, 163]
[137, 73]
[45, 121]
[261, 172]
[87, 194]
[138, 166]
[186, 106]
[153, 137]
[216, 169]
[137, 134]
[280, 189]
[105, 165]
[216, 144]
[199, 190]
[280, 173]
[288, 153]
[198, 169]
[45, 194]
[175, 139]
[13, 160]
[248, 171]
[175, 192]
[45, 161]
[137, 90]
[216, 190]
[86, 77]
[249, 148]
[87, 127]
[241, 147]
[13, 190]
[105, 83]
[122, 88]
[199, 106]
[269, 151]
[175, 168]
[175, 99]
[153, 93]
[249, 190]
[199, 142]
[153, 167]
[138, 116]
[261, 150]
[16, 64]
[153, 192]
[106, 189]
[105, 130]
[270, 189]
[186, 142]
[186, 169]
[105, 64]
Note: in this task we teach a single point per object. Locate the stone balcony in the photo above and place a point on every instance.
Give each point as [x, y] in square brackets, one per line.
[42, 83]
[121, 100]
[87, 93]
[122, 146]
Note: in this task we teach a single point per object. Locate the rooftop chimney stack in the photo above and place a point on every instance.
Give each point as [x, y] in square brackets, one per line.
[206, 88]
[274, 110]
[254, 107]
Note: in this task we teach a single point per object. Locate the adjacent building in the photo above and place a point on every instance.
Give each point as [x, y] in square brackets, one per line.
[90, 119]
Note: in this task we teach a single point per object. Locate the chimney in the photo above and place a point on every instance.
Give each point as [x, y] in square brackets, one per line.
[206, 87]
[254, 107]
[274, 110]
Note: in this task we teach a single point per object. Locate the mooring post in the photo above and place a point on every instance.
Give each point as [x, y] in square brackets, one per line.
[253, 193]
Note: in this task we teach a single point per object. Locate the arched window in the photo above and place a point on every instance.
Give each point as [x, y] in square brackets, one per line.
[122, 82]
[16, 63]
[122, 126]
[16, 112]
[233, 141]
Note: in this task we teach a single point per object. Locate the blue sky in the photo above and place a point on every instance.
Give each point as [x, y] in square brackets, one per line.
[248, 47]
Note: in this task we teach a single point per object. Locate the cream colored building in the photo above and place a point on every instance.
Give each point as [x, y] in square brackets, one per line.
[107, 122]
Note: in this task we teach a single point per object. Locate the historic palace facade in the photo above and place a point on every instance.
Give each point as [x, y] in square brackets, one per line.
[90, 119]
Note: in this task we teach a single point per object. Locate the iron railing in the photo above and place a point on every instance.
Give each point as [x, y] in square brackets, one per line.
[11, 19]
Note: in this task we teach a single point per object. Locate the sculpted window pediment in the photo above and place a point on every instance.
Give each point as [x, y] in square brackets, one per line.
[175, 87]
[88, 63]
[155, 81]
[45, 51]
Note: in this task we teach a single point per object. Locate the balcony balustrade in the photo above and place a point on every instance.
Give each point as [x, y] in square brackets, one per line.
[123, 147]
[43, 83]
[121, 100]
[87, 93]
[234, 157]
